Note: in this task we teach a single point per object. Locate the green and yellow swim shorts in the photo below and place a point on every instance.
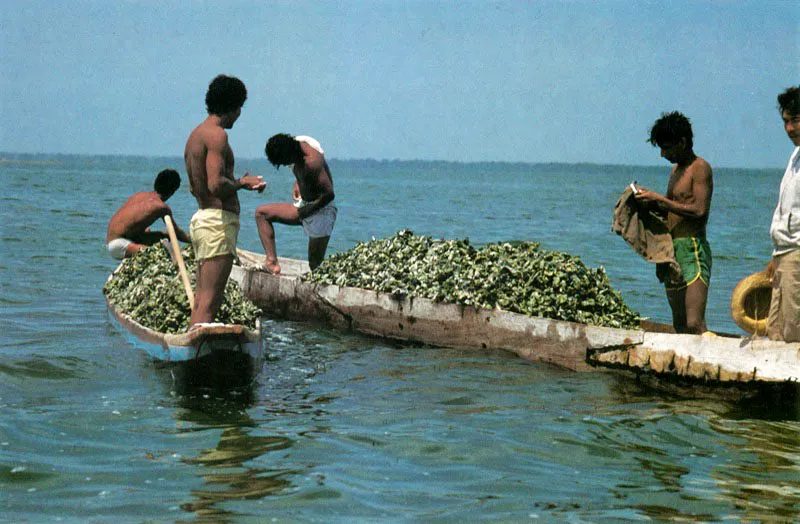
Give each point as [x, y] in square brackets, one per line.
[694, 256]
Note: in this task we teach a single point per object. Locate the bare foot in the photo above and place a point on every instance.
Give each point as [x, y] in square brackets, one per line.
[272, 267]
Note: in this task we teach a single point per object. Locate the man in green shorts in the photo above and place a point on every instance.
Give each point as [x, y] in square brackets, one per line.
[686, 205]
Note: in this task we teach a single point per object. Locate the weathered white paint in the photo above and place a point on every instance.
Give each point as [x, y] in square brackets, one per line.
[710, 358]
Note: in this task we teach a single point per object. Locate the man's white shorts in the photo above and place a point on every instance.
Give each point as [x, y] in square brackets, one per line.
[320, 224]
[118, 247]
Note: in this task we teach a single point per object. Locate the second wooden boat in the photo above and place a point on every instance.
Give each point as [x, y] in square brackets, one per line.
[579, 347]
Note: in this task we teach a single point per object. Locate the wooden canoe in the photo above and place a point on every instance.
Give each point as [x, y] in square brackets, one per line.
[212, 354]
[651, 350]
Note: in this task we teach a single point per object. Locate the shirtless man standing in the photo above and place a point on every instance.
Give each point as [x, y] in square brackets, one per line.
[215, 226]
[313, 206]
[129, 228]
[686, 205]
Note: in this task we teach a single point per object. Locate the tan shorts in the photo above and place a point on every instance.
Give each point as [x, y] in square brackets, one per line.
[783, 322]
[214, 233]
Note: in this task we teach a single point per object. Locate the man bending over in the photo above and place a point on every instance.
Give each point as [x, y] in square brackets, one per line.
[313, 206]
[129, 228]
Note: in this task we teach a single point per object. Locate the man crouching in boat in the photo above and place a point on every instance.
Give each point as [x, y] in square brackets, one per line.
[129, 228]
[686, 205]
[313, 206]
[215, 226]
[783, 322]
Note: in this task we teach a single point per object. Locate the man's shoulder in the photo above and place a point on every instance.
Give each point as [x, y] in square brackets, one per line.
[208, 134]
[701, 166]
[314, 161]
[141, 196]
[147, 198]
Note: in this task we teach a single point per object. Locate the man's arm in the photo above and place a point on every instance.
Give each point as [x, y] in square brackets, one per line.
[219, 185]
[296, 191]
[326, 194]
[180, 233]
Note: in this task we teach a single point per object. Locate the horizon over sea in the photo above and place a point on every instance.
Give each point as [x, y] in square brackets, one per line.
[346, 428]
[15, 156]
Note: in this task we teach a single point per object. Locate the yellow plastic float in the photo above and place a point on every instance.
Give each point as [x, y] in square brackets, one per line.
[750, 303]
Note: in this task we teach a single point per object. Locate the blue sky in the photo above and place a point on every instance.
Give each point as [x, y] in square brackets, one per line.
[537, 81]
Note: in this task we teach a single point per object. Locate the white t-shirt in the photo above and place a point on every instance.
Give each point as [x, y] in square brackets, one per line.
[785, 228]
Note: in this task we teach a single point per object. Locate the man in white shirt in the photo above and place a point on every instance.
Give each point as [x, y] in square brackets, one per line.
[784, 268]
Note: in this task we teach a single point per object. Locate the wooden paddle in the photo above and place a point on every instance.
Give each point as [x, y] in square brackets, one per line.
[176, 248]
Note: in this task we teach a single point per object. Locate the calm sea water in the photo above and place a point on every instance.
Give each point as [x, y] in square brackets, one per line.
[344, 428]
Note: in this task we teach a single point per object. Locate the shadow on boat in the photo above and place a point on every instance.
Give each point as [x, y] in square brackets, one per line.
[226, 375]
[774, 401]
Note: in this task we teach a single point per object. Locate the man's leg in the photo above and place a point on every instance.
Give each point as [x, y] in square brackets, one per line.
[149, 238]
[316, 250]
[282, 213]
[142, 241]
[784, 314]
[791, 289]
[677, 302]
[133, 248]
[696, 298]
[212, 276]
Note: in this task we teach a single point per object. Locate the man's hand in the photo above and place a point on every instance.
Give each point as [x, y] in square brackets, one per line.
[770, 271]
[646, 196]
[654, 202]
[252, 183]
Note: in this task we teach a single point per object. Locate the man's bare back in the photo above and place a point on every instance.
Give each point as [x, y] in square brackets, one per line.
[136, 215]
[208, 159]
[313, 176]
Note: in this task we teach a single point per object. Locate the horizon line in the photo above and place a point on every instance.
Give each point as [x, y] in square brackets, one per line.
[376, 160]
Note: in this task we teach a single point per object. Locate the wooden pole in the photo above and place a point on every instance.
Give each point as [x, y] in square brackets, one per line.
[176, 249]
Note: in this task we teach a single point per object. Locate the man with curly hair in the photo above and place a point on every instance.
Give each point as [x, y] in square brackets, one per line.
[686, 207]
[313, 206]
[215, 226]
[783, 322]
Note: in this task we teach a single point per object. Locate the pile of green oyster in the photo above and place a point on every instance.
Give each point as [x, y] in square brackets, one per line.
[519, 277]
[148, 288]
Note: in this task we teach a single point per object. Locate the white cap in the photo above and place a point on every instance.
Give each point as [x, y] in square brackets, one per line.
[310, 141]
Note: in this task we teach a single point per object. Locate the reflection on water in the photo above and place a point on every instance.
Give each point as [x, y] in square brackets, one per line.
[223, 468]
[228, 469]
[744, 454]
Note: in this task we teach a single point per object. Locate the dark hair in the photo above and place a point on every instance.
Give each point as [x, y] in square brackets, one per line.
[283, 149]
[167, 182]
[789, 101]
[671, 127]
[225, 94]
